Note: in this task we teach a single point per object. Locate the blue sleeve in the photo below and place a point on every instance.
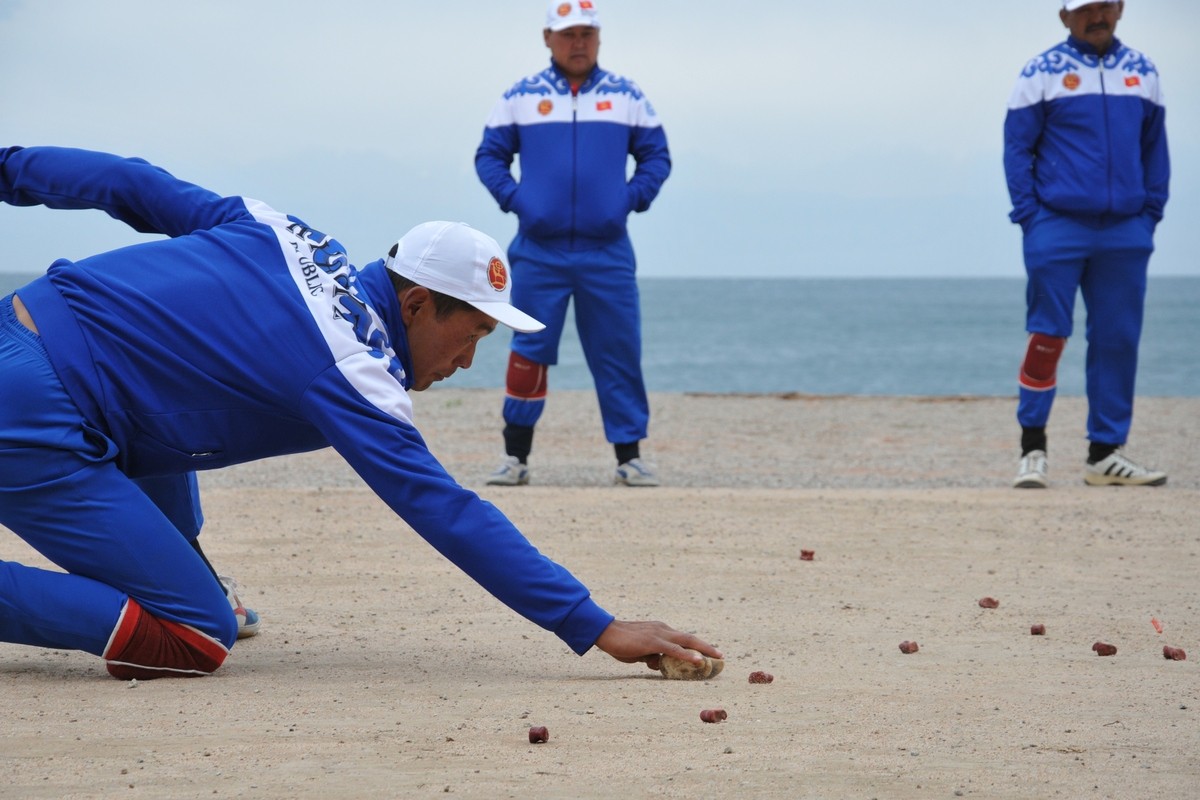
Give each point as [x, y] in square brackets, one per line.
[1156, 162]
[392, 458]
[145, 197]
[649, 150]
[493, 162]
[1022, 131]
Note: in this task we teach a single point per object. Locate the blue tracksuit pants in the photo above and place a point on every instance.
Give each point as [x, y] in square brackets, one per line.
[1105, 261]
[603, 284]
[62, 493]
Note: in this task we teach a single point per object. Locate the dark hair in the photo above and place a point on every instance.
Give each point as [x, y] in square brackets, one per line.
[443, 304]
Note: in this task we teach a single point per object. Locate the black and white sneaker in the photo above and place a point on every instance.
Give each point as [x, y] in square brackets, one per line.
[635, 472]
[1031, 474]
[1118, 470]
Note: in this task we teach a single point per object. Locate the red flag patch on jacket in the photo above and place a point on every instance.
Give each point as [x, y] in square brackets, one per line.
[604, 105]
[1133, 80]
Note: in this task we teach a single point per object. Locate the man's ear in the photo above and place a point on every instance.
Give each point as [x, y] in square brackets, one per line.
[412, 301]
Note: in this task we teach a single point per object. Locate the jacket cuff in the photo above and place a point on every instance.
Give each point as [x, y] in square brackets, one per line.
[506, 197]
[583, 626]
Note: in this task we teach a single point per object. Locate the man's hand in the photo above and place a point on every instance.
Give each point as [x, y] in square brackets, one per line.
[632, 642]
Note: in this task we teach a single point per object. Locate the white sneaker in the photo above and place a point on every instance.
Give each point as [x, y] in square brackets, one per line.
[511, 473]
[635, 473]
[1118, 470]
[1031, 474]
[248, 620]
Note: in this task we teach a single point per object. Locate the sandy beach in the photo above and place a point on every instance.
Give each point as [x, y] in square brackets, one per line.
[383, 672]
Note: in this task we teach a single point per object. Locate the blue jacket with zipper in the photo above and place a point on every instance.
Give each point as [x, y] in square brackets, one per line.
[574, 145]
[1085, 135]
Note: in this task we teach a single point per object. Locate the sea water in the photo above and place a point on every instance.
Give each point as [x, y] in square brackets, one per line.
[895, 336]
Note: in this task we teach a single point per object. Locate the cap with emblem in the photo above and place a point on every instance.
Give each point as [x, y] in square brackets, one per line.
[455, 259]
[560, 15]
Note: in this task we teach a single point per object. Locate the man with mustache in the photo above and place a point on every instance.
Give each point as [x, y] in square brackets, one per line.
[1085, 155]
[572, 128]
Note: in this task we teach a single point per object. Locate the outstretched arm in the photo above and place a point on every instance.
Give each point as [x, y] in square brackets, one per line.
[143, 196]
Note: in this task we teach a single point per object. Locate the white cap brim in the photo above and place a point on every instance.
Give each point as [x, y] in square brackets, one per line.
[1071, 5]
[563, 24]
[510, 315]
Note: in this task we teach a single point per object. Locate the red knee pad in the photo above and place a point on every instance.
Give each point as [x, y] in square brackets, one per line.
[526, 379]
[1040, 368]
[144, 647]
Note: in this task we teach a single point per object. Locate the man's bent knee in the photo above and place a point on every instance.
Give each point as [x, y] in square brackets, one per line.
[526, 380]
[144, 647]
[1039, 371]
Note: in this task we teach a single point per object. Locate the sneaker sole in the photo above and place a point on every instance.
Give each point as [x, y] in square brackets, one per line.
[1030, 483]
[636, 481]
[1115, 480]
[524, 482]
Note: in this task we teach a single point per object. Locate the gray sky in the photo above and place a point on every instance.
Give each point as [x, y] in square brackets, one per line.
[809, 138]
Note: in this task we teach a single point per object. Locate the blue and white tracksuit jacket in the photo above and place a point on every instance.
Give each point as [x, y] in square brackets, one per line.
[572, 203]
[243, 334]
[1085, 155]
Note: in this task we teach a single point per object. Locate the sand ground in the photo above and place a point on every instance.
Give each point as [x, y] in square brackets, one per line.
[383, 672]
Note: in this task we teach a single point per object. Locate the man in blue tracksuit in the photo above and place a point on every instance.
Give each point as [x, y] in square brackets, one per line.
[243, 334]
[574, 126]
[1085, 154]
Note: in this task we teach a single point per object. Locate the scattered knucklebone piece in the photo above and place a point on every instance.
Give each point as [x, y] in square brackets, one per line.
[1174, 653]
[807, 555]
[1037, 630]
[713, 715]
[1105, 649]
[989, 602]
[908, 647]
[1157, 625]
[538, 734]
[758, 676]
[678, 669]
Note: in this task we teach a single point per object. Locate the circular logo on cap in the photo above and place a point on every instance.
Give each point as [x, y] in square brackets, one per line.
[497, 274]
[545, 107]
[564, 9]
[1071, 81]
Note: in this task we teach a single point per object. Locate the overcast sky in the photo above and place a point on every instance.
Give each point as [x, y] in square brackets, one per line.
[809, 138]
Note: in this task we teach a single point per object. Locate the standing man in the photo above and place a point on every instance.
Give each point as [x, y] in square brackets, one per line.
[574, 126]
[244, 334]
[1085, 154]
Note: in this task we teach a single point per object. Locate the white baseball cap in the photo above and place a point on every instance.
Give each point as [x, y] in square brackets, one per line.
[1071, 5]
[561, 15]
[455, 259]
